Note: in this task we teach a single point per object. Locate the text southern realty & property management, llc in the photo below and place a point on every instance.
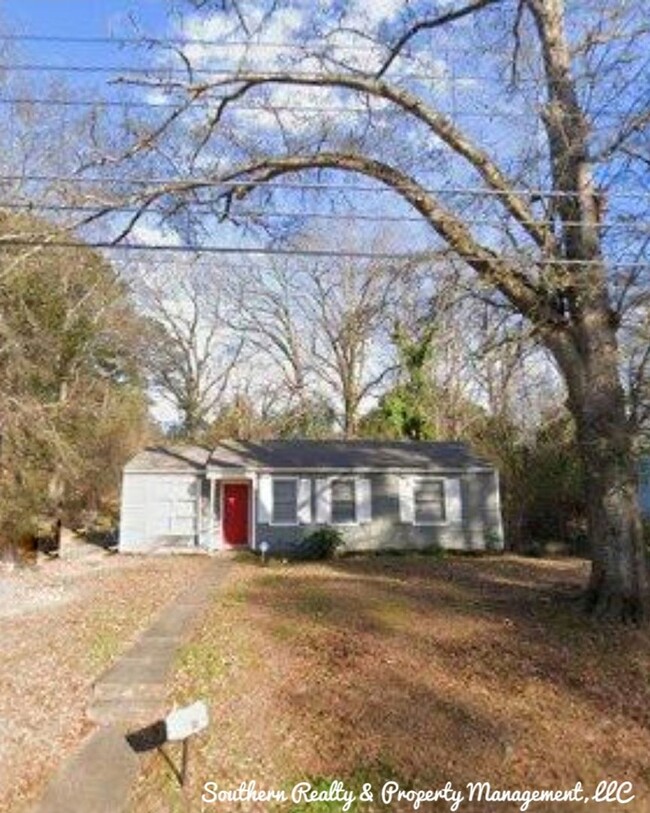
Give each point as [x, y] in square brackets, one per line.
[607, 792]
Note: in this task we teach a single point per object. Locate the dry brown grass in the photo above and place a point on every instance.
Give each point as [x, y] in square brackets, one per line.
[416, 669]
[67, 621]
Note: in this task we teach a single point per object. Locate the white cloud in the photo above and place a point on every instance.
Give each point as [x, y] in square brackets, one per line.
[368, 16]
[151, 235]
[285, 40]
[266, 49]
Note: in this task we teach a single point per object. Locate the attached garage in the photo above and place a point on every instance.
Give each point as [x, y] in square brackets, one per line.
[161, 500]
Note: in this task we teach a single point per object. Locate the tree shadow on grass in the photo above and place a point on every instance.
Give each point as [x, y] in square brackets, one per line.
[458, 669]
[540, 626]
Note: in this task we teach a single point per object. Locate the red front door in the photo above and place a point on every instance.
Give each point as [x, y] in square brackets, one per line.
[235, 513]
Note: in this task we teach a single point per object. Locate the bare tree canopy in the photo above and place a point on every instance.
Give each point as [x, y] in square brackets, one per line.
[191, 353]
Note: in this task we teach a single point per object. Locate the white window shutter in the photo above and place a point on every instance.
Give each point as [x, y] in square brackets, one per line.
[406, 501]
[264, 498]
[363, 491]
[304, 501]
[323, 501]
[453, 500]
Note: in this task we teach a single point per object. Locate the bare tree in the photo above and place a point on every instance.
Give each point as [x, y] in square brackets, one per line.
[71, 406]
[324, 326]
[552, 265]
[267, 316]
[191, 354]
[346, 307]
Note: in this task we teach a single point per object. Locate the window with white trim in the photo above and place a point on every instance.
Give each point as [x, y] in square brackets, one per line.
[429, 501]
[285, 501]
[344, 503]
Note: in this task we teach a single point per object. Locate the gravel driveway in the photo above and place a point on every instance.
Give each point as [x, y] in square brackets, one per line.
[62, 622]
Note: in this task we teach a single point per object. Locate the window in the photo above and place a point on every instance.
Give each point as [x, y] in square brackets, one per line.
[344, 508]
[429, 499]
[285, 502]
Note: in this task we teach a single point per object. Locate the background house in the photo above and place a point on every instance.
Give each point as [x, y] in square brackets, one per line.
[380, 494]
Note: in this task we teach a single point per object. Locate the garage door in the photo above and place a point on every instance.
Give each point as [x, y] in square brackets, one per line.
[156, 506]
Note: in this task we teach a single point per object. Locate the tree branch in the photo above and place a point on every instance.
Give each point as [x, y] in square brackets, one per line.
[518, 288]
[442, 126]
[428, 25]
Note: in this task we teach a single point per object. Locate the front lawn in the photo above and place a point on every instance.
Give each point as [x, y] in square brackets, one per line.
[415, 669]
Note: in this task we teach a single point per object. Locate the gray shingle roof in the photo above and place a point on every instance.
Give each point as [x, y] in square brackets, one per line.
[169, 458]
[344, 454]
[309, 455]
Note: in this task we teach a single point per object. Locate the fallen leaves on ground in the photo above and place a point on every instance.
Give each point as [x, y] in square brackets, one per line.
[61, 624]
[416, 669]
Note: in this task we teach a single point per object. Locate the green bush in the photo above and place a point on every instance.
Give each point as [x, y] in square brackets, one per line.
[320, 544]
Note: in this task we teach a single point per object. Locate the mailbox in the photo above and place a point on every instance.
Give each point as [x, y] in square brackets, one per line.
[178, 726]
[182, 723]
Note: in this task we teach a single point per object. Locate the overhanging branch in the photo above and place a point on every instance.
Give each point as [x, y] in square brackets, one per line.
[514, 284]
[428, 25]
[440, 125]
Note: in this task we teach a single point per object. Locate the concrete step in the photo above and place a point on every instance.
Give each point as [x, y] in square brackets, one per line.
[121, 691]
[137, 712]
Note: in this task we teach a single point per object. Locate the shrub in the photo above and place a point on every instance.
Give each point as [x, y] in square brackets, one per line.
[320, 544]
[492, 540]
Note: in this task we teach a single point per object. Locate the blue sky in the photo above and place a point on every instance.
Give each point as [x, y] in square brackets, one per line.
[464, 82]
[478, 97]
[79, 18]
[84, 19]
[76, 18]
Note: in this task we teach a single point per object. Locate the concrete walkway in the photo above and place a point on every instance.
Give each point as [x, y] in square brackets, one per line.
[132, 693]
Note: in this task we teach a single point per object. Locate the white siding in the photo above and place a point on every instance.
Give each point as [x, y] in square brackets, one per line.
[363, 493]
[304, 501]
[406, 502]
[453, 501]
[157, 508]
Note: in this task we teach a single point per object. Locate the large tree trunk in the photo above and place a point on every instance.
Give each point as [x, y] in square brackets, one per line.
[619, 582]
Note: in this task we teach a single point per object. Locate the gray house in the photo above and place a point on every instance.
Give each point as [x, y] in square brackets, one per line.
[380, 494]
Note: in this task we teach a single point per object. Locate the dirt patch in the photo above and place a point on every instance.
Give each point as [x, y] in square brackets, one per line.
[416, 670]
[26, 592]
[61, 624]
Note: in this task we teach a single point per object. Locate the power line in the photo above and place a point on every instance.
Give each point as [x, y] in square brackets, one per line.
[159, 70]
[633, 225]
[105, 69]
[176, 186]
[196, 249]
[381, 106]
[292, 252]
[121, 103]
[422, 258]
[180, 42]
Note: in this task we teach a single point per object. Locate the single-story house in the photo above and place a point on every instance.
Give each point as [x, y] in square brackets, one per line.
[379, 494]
